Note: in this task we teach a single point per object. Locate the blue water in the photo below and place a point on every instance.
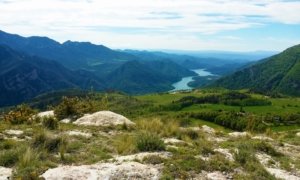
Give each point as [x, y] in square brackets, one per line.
[183, 83]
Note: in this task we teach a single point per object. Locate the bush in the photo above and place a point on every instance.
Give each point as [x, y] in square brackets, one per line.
[149, 142]
[21, 114]
[69, 107]
[50, 123]
[244, 154]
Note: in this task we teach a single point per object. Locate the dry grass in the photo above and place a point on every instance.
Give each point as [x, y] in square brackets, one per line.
[166, 128]
[125, 144]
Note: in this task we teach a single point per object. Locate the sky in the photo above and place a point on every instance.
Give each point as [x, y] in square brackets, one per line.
[228, 25]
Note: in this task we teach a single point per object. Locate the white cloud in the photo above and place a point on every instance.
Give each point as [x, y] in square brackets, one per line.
[143, 23]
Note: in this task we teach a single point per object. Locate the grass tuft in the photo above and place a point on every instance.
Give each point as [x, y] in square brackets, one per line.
[149, 142]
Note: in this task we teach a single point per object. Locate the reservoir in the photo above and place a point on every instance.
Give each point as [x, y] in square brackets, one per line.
[183, 83]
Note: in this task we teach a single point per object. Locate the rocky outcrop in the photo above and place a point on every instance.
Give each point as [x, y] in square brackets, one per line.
[104, 171]
[119, 167]
[274, 169]
[103, 118]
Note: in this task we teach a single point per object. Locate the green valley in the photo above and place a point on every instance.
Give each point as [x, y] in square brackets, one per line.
[185, 135]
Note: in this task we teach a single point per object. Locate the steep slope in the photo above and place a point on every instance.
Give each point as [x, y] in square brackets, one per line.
[74, 55]
[144, 77]
[22, 77]
[169, 69]
[279, 73]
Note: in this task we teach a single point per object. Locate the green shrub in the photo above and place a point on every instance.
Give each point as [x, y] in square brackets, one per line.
[244, 154]
[50, 123]
[149, 142]
[69, 107]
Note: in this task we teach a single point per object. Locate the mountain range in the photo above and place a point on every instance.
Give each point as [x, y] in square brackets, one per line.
[23, 76]
[34, 65]
[31, 66]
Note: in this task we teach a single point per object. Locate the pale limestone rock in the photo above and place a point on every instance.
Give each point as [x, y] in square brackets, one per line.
[140, 156]
[13, 132]
[282, 174]
[104, 171]
[217, 175]
[45, 114]
[226, 153]
[208, 129]
[238, 134]
[264, 138]
[5, 173]
[79, 133]
[173, 141]
[103, 118]
[66, 120]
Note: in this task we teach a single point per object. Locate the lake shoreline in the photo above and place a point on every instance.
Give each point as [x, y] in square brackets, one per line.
[183, 84]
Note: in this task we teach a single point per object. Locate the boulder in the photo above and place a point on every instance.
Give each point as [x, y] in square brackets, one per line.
[103, 118]
[66, 121]
[45, 114]
[5, 173]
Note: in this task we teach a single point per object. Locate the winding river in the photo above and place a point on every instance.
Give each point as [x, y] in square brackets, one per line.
[183, 83]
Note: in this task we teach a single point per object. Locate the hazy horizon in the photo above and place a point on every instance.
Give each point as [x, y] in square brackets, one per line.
[220, 25]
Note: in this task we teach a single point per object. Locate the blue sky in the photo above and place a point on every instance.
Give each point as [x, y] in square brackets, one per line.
[232, 25]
